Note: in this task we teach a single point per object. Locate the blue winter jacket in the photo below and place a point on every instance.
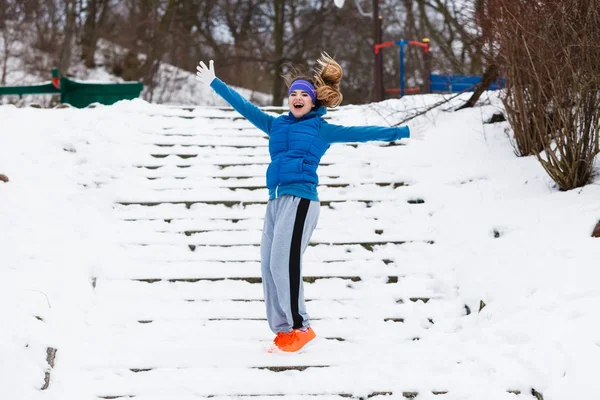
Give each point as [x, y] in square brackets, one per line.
[296, 145]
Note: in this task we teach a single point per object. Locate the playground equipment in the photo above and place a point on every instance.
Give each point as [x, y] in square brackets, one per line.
[427, 54]
[459, 83]
[436, 83]
[79, 94]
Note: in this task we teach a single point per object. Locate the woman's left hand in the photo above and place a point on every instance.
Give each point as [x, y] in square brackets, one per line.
[417, 132]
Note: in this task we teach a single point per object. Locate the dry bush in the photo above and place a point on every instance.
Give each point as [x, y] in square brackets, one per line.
[549, 54]
[596, 231]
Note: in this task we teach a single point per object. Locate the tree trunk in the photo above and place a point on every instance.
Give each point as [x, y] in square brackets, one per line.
[6, 54]
[490, 75]
[88, 40]
[96, 13]
[65, 54]
[278, 59]
[156, 45]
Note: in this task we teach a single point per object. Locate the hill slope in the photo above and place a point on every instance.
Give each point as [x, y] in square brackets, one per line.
[173, 85]
[441, 268]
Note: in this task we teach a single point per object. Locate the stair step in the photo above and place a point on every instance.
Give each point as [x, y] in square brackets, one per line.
[147, 309]
[268, 381]
[338, 212]
[321, 252]
[395, 289]
[192, 225]
[239, 203]
[309, 396]
[258, 182]
[368, 269]
[255, 279]
[194, 242]
[187, 185]
[195, 144]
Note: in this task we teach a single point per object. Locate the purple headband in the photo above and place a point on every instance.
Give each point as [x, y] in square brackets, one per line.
[306, 86]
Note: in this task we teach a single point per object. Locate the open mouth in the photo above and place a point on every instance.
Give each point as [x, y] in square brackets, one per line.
[298, 105]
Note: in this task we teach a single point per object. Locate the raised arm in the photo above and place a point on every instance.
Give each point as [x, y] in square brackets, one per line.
[259, 118]
[255, 115]
[344, 134]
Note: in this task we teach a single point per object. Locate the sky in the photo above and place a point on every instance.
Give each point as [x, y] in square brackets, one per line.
[121, 222]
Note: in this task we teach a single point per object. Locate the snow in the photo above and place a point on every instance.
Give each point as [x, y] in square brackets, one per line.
[174, 86]
[78, 248]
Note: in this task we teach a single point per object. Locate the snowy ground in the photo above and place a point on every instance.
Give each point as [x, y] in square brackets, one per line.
[119, 223]
[174, 85]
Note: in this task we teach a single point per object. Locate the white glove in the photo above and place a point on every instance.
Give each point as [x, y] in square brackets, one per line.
[417, 135]
[205, 75]
[417, 131]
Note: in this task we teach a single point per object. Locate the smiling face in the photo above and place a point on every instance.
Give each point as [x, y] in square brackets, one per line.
[300, 103]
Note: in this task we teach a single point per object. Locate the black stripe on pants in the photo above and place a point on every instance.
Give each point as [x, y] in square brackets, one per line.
[295, 255]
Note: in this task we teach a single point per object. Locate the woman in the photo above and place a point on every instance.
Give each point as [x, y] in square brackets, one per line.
[297, 141]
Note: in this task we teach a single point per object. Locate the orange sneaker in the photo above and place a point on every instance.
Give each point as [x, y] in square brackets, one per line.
[297, 340]
[279, 340]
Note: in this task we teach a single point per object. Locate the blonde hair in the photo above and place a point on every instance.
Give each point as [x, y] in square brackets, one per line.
[326, 78]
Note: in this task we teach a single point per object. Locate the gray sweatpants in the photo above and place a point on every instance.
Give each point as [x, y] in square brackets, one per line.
[289, 224]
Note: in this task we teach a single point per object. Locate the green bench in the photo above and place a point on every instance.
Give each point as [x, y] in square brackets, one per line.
[79, 94]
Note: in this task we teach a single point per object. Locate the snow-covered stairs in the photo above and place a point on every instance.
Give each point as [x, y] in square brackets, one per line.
[185, 310]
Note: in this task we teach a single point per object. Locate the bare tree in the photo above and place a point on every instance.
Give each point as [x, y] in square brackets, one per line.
[300, 28]
[70, 12]
[239, 54]
[278, 56]
[95, 13]
[449, 25]
[549, 53]
[486, 49]
[252, 41]
[12, 20]
[48, 24]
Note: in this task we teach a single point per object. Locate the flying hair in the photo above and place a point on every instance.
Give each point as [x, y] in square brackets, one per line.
[325, 77]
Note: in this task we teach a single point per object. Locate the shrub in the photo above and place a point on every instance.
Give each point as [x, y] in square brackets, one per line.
[549, 54]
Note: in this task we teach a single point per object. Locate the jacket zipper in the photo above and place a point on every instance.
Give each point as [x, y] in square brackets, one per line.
[287, 147]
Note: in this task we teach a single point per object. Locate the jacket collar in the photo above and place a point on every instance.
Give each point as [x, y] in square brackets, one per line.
[314, 113]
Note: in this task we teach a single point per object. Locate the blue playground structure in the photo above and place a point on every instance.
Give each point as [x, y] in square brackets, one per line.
[459, 83]
[437, 83]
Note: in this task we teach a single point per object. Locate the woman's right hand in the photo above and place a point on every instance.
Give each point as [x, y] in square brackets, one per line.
[205, 75]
